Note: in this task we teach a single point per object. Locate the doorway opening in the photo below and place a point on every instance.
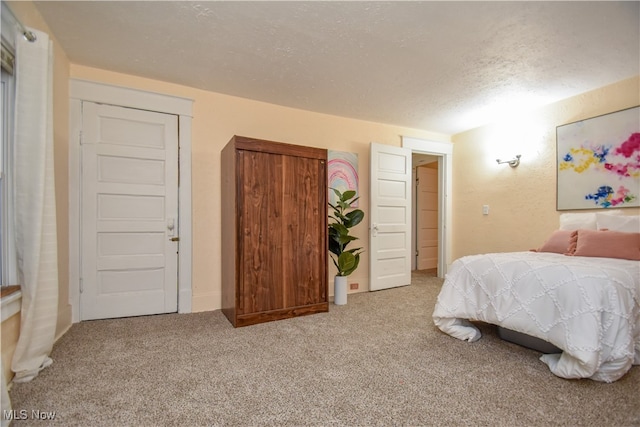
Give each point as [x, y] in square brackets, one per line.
[442, 152]
[424, 221]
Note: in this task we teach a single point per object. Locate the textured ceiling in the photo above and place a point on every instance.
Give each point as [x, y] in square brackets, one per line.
[439, 66]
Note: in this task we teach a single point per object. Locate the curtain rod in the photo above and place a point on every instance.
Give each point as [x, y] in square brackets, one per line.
[29, 35]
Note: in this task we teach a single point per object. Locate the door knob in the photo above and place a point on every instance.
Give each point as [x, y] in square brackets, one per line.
[171, 224]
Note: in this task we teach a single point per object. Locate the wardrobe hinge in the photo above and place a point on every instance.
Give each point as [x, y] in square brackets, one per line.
[80, 137]
[81, 285]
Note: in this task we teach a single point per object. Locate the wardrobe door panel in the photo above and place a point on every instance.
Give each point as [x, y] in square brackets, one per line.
[304, 243]
[261, 226]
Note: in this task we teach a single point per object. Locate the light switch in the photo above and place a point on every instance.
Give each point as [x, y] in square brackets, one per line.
[485, 209]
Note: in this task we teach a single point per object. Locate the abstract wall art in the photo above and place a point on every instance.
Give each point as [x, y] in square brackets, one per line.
[342, 168]
[598, 162]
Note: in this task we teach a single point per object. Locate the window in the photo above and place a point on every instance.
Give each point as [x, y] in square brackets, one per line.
[8, 268]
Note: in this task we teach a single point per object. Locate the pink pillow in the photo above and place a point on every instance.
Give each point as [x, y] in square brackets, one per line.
[606, 244]
[573, 243]
[557, 243]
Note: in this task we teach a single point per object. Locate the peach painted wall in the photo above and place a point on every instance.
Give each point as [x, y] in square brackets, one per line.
[522, 201]
[217, 118]
[29, 16]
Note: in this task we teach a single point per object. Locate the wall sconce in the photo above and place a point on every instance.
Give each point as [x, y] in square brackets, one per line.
[513, 162]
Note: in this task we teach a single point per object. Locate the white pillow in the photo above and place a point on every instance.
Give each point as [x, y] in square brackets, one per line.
[575, 221]
[582, 220]
[625, 223]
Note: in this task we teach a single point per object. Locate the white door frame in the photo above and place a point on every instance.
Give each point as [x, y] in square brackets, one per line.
[83, 90]
[444, 152]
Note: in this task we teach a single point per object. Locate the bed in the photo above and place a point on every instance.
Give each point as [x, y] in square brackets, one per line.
[586, 306]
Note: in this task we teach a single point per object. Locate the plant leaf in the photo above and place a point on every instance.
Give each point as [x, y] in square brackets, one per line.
[339, 228]
[349, 194]
[353, 266]
[346, 263]
[354, 218]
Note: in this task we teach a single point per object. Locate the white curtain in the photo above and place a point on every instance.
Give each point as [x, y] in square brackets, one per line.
[36, 241]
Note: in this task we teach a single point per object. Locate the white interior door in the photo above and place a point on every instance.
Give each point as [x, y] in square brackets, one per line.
[390, 217]
[427, 218]
[129, 205]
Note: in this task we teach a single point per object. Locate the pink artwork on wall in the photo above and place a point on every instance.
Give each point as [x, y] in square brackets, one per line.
[342, 169]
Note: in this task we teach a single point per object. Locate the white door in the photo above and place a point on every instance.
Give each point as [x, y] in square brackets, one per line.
[390, 217]
[427, 218]
[129, 205]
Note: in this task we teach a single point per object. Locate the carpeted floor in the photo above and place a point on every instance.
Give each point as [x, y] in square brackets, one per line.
[378, 361]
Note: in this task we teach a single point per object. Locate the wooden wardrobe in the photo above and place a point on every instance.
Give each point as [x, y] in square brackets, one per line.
[274, 230]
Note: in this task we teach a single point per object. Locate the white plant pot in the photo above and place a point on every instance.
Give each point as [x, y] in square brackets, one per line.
[340, 290]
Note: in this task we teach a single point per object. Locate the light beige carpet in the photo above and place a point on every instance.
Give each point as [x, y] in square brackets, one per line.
[378, 361]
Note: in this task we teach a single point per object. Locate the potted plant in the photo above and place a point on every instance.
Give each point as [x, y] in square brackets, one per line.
[346, 260]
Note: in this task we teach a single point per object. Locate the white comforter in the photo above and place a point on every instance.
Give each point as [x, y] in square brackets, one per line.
[588, 307]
